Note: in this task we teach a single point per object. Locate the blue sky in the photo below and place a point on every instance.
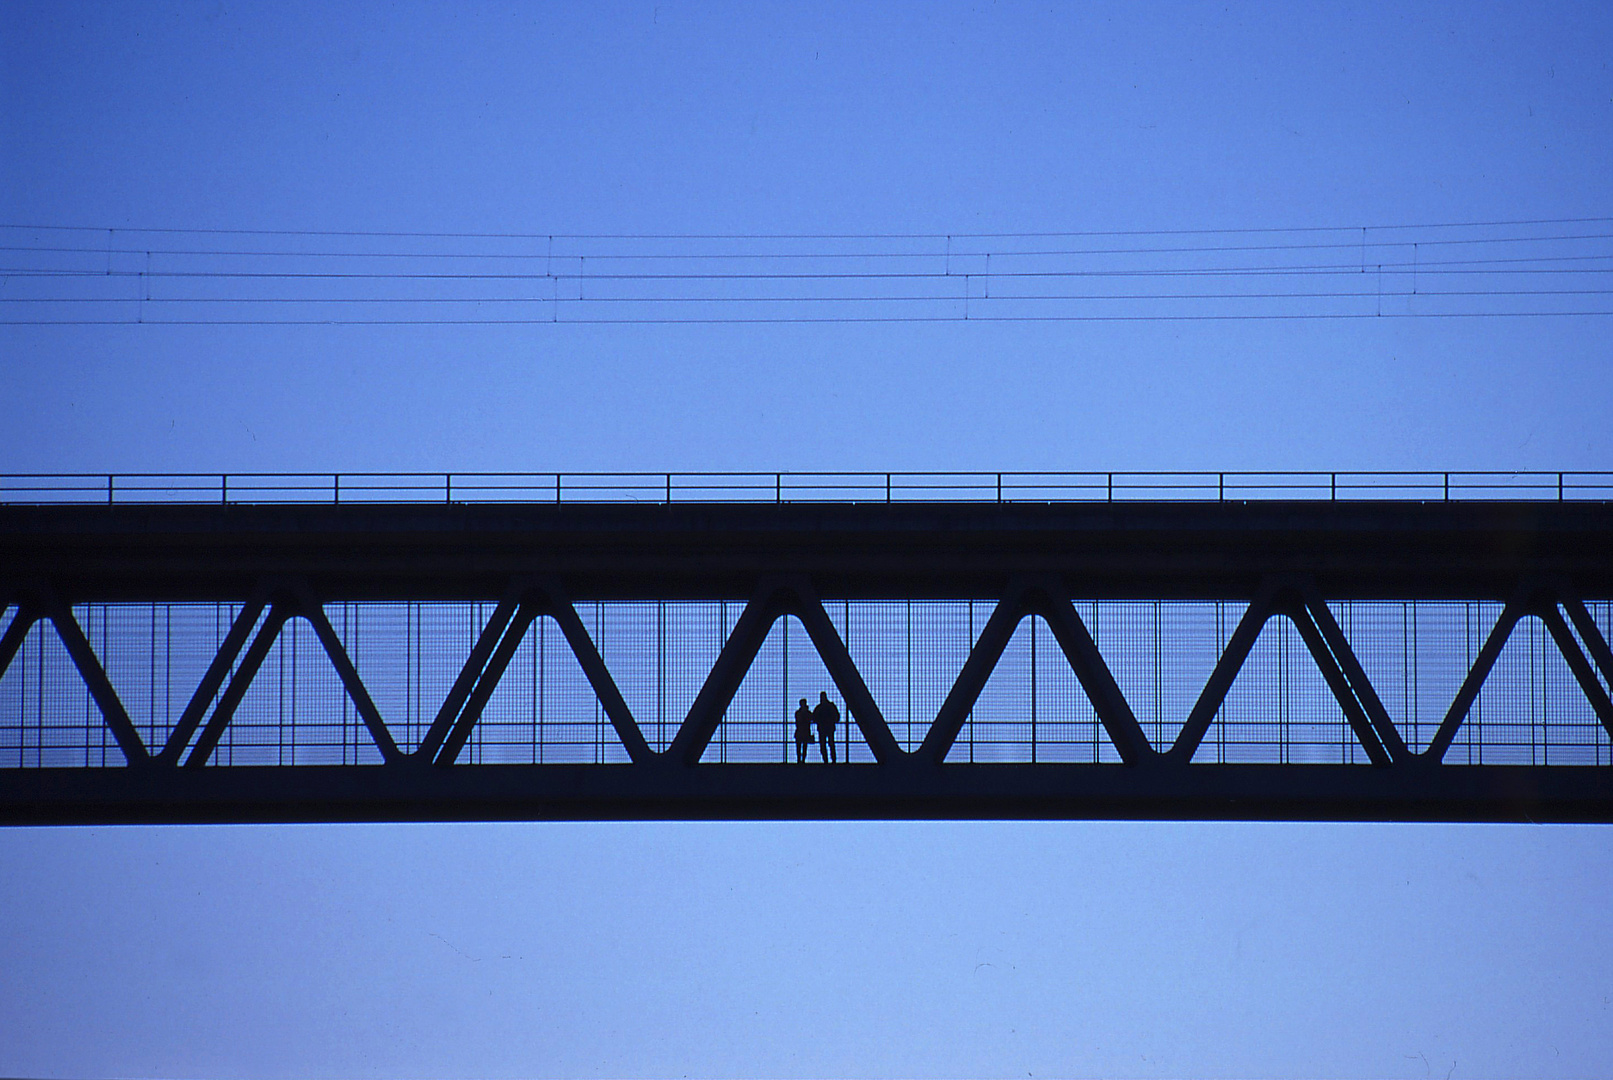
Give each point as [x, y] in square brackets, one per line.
[1009, 949]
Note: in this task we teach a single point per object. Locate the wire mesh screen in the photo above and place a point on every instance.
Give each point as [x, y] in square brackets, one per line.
[1161, 654]
[408, 655]
[1531, 708]
[909, 654]
[50, 719]
[760, 724]
[296, 711]
[1279, 708]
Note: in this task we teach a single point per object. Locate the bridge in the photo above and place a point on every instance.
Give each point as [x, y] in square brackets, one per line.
[389, 647]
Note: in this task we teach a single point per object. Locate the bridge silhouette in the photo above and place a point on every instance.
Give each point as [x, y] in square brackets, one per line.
[379, 647]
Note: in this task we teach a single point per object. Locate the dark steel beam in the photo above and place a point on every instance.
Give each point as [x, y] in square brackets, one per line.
[1163, 791]
[1164, 551]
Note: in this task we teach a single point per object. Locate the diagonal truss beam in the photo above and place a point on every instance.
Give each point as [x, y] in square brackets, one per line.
[1517, 607]
[508, 631]
[1589, 632]
[1093, 673]
[1356, 676]
[12, 639]
[865, 711]
[1343, 692]
[982, 661]
[229, 649]
[94, 675]
[486, 641]
[1048, 599]
[722, 682]
[224, 712]
[1226, 669]
[773, 600]
[311, 610]
[1583, 673]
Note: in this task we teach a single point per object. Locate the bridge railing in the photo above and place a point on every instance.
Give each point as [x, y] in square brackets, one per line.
[795, 487]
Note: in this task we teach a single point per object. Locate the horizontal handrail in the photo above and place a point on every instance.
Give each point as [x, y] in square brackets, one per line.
[763, 487]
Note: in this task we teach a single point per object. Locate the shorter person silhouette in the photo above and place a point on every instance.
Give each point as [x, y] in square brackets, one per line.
[827, 716]
[803, 731]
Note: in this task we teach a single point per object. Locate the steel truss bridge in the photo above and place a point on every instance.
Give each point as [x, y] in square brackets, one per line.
[1307, 659]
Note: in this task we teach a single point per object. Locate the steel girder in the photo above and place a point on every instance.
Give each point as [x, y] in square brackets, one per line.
[1284, 560]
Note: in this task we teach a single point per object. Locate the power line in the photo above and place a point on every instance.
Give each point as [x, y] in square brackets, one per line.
[1245, 230]
[824, 255]
[1261, 317]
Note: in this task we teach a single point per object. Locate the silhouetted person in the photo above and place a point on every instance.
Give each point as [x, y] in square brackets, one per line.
[827, 716]
[803, 731]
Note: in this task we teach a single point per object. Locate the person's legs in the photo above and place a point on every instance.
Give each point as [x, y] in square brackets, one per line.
[829, 745]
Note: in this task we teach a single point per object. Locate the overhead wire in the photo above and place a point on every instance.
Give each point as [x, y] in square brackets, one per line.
[703, 281]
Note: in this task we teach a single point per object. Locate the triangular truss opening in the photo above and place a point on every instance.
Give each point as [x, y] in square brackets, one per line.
[408, 655]
[1417, 654]
[155, 656]
[1033, 707]
[1280, 708]
[759, 723]
[1162, 654]
[659, 654]
[295, 707]
[909, 653]
[49, 715]
[1530, 708]
[543, 709]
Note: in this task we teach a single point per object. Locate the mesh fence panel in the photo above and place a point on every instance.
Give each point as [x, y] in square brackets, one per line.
[1530, 710]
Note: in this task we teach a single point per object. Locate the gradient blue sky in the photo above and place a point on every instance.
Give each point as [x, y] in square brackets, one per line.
[1005, 949]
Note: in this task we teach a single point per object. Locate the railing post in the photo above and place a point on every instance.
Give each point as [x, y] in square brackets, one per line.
[224, 489]
[1447, 486]
[557, 489]
[999, 487]
[1333, 487]
[778, 488]
[887, 489]
[336, 489]
[1559, 487]
[669, 489]
[447, 488]
[1220, 487]
[109, 489]
[1111, 487]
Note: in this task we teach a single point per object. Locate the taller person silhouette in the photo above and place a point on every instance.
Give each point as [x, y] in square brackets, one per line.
[827, 716]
